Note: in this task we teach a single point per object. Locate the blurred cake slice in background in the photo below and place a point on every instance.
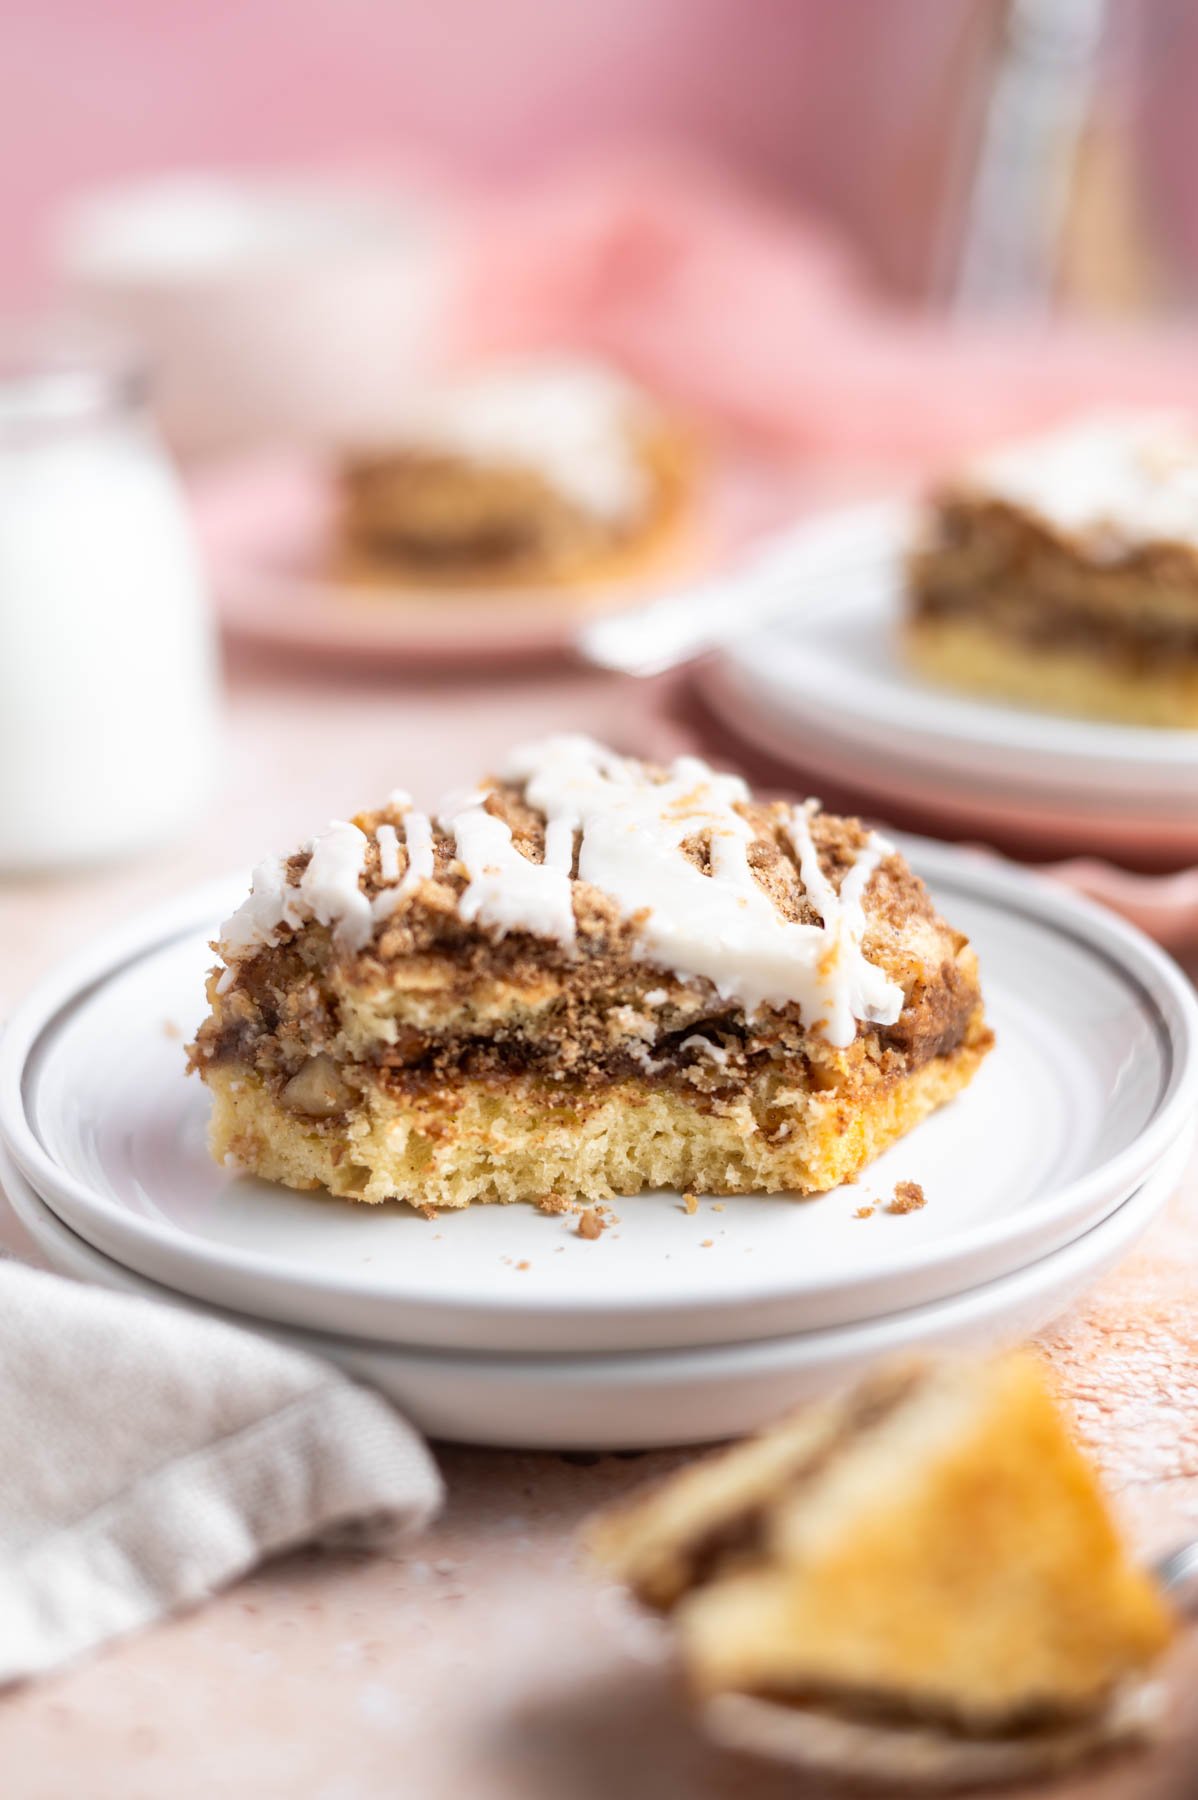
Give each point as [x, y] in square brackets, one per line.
[553, 470]
[1063, 573]
[931, 1547]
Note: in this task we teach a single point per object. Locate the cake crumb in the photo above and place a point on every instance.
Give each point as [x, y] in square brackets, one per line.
[864, 1212]
[426, 1211]
[908, 1197]
[717, 1206]
[707, 1243]
[524, 1265]
[170, 1029]
[553, 1203]
[590, 1225]
[690, 1203]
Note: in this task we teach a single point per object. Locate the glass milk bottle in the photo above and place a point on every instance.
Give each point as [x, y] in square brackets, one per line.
[107, 656]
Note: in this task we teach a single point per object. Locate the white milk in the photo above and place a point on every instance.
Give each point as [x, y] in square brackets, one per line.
[107, 666]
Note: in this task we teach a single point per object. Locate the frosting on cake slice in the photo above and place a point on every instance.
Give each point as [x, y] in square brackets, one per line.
[587, 975]
[1115, 482]
[570, 420]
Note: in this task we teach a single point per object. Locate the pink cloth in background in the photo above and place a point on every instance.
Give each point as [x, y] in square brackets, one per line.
[855, 112]
[753, 313]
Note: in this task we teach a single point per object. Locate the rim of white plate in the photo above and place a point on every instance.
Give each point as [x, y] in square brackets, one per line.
[1125, 1222]
[1047, 746]
[1165, 989]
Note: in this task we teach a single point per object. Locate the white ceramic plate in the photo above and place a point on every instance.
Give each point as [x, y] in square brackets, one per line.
[605, 1402]
[1093, 1079]
[1037, 826]
[833, 673]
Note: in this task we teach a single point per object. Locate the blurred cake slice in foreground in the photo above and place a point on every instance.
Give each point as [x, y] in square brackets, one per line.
[552, 470]
[1063, 573]
[932, 1547]
[585, 977]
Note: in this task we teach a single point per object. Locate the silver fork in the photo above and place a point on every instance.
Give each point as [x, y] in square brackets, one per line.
[852, 544]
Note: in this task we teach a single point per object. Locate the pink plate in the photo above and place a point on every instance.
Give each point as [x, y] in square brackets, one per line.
[267, 527]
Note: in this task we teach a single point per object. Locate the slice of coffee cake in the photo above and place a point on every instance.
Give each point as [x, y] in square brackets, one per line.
[587, 977]
[930, 1546]
[1063, 573]
[546, 471]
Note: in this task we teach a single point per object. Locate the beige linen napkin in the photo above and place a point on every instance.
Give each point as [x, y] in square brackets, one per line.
[150, 1455]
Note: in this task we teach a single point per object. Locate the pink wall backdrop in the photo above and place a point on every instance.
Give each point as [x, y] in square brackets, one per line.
[850, 105]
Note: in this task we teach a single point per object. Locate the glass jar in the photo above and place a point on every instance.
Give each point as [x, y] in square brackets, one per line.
[107, 651]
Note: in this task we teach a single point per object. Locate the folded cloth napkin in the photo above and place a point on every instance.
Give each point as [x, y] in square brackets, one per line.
[150, 1455]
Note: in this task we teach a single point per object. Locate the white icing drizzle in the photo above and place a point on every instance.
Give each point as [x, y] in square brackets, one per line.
[329, 886]
[723, 927]
[505, 890]
[1112, 479]
[387, 839]
[702, 1046]
[329, 889]
[570, 421]
[418, 830]
[418, 839]
[626, 829]
[844, 920]
[255, 924]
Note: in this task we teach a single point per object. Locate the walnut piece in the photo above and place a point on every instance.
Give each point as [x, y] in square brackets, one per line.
[317, 1090]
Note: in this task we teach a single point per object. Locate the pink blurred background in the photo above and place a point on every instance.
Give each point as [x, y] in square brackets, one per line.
[857, 117]
[856, 108]
[813, 101]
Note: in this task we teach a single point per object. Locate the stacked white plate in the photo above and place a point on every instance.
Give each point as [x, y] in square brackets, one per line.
[828, 688]
[502, 1325]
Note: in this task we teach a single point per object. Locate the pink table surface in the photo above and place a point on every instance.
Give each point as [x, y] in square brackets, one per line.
[482, 1661]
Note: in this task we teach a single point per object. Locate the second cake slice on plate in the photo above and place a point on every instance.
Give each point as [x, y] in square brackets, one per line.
[587, 977]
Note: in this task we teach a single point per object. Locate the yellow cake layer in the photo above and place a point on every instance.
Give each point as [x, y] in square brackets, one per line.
[970, 655]
[529, 1138]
